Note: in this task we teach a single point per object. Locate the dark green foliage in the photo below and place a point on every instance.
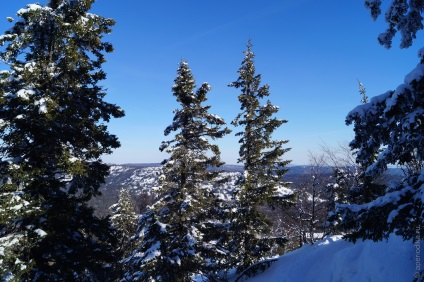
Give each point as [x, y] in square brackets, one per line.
[53, 134]
[15, 243]
[339, 188]
[171, 232]
[403, 16]
[366, 191]
[389, 131]
[353, 186]
[398, 210]
[263, 165]
[124, 220]
[345, 187]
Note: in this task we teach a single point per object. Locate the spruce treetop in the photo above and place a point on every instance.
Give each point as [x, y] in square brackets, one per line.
[193, 123]
[260, 154]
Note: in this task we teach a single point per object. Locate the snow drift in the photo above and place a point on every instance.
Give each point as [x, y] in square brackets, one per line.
[334, 259]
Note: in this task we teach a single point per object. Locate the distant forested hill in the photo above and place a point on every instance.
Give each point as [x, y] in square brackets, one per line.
[142, 178]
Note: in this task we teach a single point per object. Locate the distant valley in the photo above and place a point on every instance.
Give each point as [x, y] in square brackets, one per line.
[142, 178]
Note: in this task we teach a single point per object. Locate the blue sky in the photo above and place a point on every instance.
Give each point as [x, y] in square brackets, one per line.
[311, 53]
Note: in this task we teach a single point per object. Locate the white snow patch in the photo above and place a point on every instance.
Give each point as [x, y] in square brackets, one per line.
[40, 232]
[282, 191]
[42, 105]
[415, 74]
[153, 252]
[25, 93]
[30, 7]
[334, 259]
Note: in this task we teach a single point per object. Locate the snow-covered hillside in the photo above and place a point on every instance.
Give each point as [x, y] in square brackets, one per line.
[139, 179]
[143, 179]
[335, 260]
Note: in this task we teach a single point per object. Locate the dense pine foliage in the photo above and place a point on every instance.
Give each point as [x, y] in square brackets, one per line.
[53, 135]
[172, 232]
[264, 167]
[124, 220]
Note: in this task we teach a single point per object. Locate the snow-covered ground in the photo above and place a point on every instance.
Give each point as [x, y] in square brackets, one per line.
[334, 260]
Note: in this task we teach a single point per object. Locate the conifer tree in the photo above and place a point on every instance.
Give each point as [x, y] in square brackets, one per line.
[358, 187]
[53, 134]
[172, 231]
[261, 156]
[389, 131]
[124, 219]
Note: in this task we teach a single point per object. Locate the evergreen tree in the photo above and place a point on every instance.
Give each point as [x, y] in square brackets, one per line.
[357, 186]
[261, 156]
[53, 134]
[124, 219]
[172, 231]
[341, 189]
[389, 131]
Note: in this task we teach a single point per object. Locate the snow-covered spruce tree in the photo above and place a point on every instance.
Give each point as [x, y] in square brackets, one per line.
[124, 219]
[391, 127]
[172, 230]
[53, 133]
[351, 184]
[261, 183]
[392, 121]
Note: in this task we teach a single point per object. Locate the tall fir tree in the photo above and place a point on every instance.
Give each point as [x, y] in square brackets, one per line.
[53, 134]
[172, 231]
[264, 168]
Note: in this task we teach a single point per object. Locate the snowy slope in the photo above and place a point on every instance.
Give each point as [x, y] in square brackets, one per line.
[143, 178]
[334, 260]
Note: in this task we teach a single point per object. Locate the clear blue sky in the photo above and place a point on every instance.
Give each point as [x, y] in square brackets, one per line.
[311, 53]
